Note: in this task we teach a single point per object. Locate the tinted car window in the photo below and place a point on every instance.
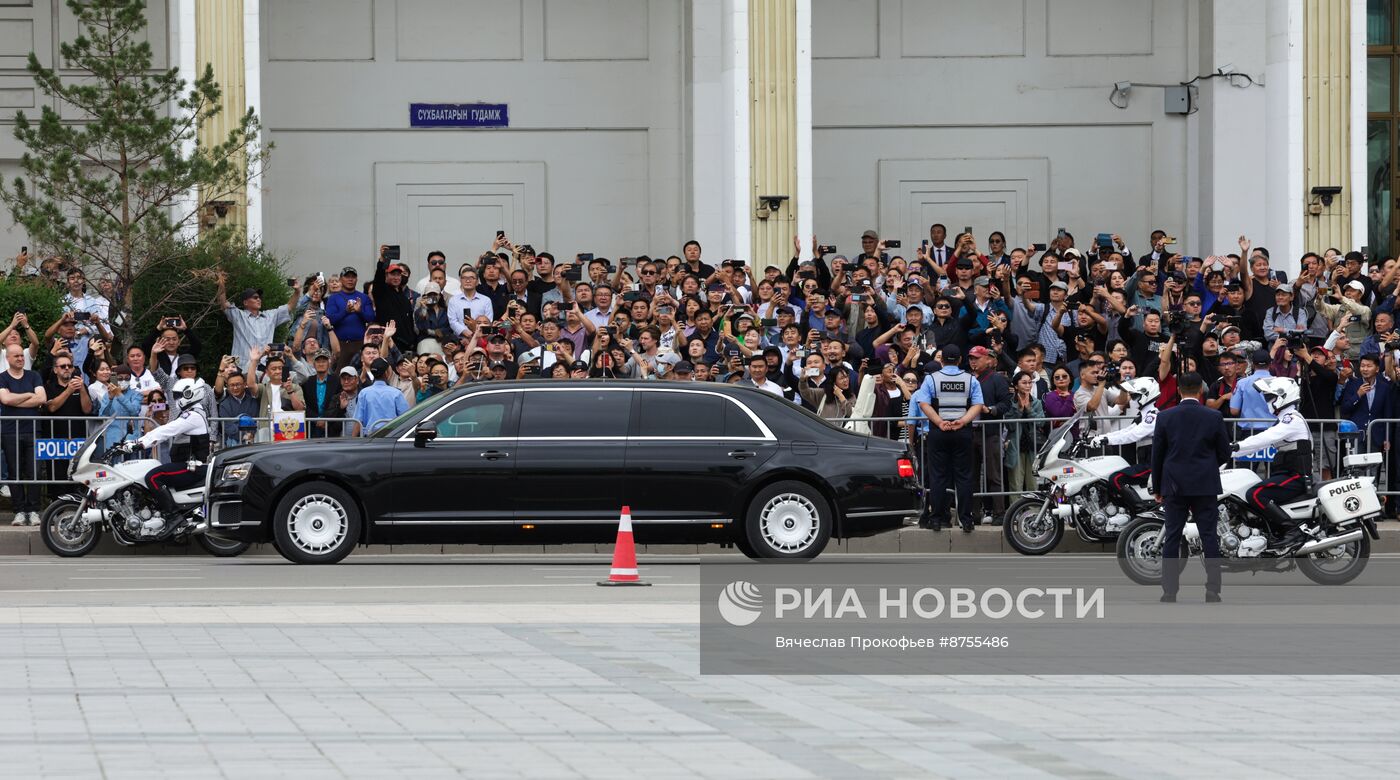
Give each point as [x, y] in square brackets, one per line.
[575, 413]
[681, 414]
[737, 422]
[476, 417]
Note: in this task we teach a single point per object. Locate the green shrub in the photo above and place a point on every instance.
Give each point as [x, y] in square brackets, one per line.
[42, 301]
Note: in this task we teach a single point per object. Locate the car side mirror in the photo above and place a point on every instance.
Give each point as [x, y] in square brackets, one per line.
[424, 432]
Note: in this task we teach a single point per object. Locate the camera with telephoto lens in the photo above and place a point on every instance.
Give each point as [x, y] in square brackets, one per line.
[1178, 322]
[1295, 340]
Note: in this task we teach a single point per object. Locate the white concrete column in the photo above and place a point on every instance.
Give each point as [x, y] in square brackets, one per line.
[1283, 132]
[182, 49]
[1360, 197]
[1231, 128]
[805, 221]
[734, 133]
[704, 203]
[252, 95]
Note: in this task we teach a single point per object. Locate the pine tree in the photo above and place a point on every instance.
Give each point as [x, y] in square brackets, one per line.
[118, 188]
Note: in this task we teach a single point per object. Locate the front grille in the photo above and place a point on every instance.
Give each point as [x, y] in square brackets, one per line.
[226, 514]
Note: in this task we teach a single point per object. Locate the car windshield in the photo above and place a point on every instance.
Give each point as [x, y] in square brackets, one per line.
[1067, 429]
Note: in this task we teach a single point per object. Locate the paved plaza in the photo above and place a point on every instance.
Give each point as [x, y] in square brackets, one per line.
[384, 667]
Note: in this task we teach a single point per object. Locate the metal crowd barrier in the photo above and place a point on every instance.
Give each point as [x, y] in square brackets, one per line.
[38, 450]
[228, 432]
[1376, 442]
[993, 480]
[41, 447]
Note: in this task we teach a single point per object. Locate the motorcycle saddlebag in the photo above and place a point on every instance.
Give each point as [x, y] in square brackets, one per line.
[1346, 499]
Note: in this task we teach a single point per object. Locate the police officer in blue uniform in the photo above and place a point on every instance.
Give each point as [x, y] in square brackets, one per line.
[944, 408]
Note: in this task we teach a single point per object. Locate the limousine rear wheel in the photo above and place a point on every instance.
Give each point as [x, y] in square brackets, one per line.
[316, 522]
[788, 519]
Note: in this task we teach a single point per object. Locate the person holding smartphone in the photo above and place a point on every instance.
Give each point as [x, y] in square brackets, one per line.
[252, 326]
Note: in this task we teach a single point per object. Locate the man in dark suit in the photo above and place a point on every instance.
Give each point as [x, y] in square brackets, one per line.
[1368, 397]
[1188, 447]
[320, 392]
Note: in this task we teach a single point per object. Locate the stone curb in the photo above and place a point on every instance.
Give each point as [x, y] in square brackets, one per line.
[986, 539]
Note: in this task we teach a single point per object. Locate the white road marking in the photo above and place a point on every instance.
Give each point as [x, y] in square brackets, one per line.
[474, 586]
[133, 579]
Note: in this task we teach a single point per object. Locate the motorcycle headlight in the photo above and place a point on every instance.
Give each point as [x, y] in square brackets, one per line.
[236, 472]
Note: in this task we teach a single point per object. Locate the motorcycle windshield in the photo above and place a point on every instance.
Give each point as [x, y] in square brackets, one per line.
[1059, 434]
[87, 451]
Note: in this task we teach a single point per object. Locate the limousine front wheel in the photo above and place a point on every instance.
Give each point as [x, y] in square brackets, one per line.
[316, 522]
[788, 520]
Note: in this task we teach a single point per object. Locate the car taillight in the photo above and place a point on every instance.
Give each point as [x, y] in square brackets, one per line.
[906, 467]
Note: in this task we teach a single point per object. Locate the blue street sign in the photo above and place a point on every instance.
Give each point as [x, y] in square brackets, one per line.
[57, 449]
[458, 115]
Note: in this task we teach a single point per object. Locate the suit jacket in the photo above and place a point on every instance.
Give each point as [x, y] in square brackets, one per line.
[1356, 408]
[1188, 446]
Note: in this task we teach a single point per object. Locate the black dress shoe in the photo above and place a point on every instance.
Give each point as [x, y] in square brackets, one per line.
[1212, 597]
[1168, 598]
[967, 528]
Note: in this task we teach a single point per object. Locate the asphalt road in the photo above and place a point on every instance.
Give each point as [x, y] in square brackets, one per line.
[483, 667]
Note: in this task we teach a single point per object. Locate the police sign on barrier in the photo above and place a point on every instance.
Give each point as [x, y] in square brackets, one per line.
[57, 449]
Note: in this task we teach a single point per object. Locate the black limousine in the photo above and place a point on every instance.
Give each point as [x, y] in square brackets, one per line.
[547, 461]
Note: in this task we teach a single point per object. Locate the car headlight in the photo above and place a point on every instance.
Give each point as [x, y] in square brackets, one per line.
[236, 472]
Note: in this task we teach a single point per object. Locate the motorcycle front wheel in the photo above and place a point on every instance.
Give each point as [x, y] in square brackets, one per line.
[1031, 528]
[61, 533]
[1347, 565]
[1140, 551]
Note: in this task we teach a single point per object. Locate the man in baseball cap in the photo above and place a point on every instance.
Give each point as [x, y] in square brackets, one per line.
[380, 402]
[942, 409]
[869, 244]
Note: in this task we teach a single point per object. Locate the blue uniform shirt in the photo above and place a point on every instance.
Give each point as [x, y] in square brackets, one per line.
[927, 393]
[378, 403]
[1249, 403]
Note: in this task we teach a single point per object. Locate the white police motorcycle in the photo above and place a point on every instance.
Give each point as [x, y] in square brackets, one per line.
[114, 498]
[1079, 496]
[1337, 516]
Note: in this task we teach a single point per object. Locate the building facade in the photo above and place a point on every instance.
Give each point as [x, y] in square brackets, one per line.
[632, 125]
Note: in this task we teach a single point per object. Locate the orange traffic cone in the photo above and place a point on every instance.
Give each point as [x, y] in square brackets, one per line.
[624, 563]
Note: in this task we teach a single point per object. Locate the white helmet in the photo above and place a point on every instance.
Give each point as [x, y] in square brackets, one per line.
[1142, 390]
[1280, 392]
[188, 393]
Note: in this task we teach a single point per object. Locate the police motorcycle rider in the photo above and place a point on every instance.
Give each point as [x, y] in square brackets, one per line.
[949, 399]
[1291, 476]
[188, 394]
[1143, 393]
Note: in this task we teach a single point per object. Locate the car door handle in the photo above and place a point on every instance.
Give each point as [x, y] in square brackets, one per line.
[495, 454]
[741, 454]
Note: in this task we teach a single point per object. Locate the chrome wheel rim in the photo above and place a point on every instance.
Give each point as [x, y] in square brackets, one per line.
[317, 524]
[789, 522]
[1143, 550]
[1033, 525]
[1338, 560]
[66, 529]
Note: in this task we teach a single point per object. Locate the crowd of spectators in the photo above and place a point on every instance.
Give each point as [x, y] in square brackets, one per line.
[1048, 330]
